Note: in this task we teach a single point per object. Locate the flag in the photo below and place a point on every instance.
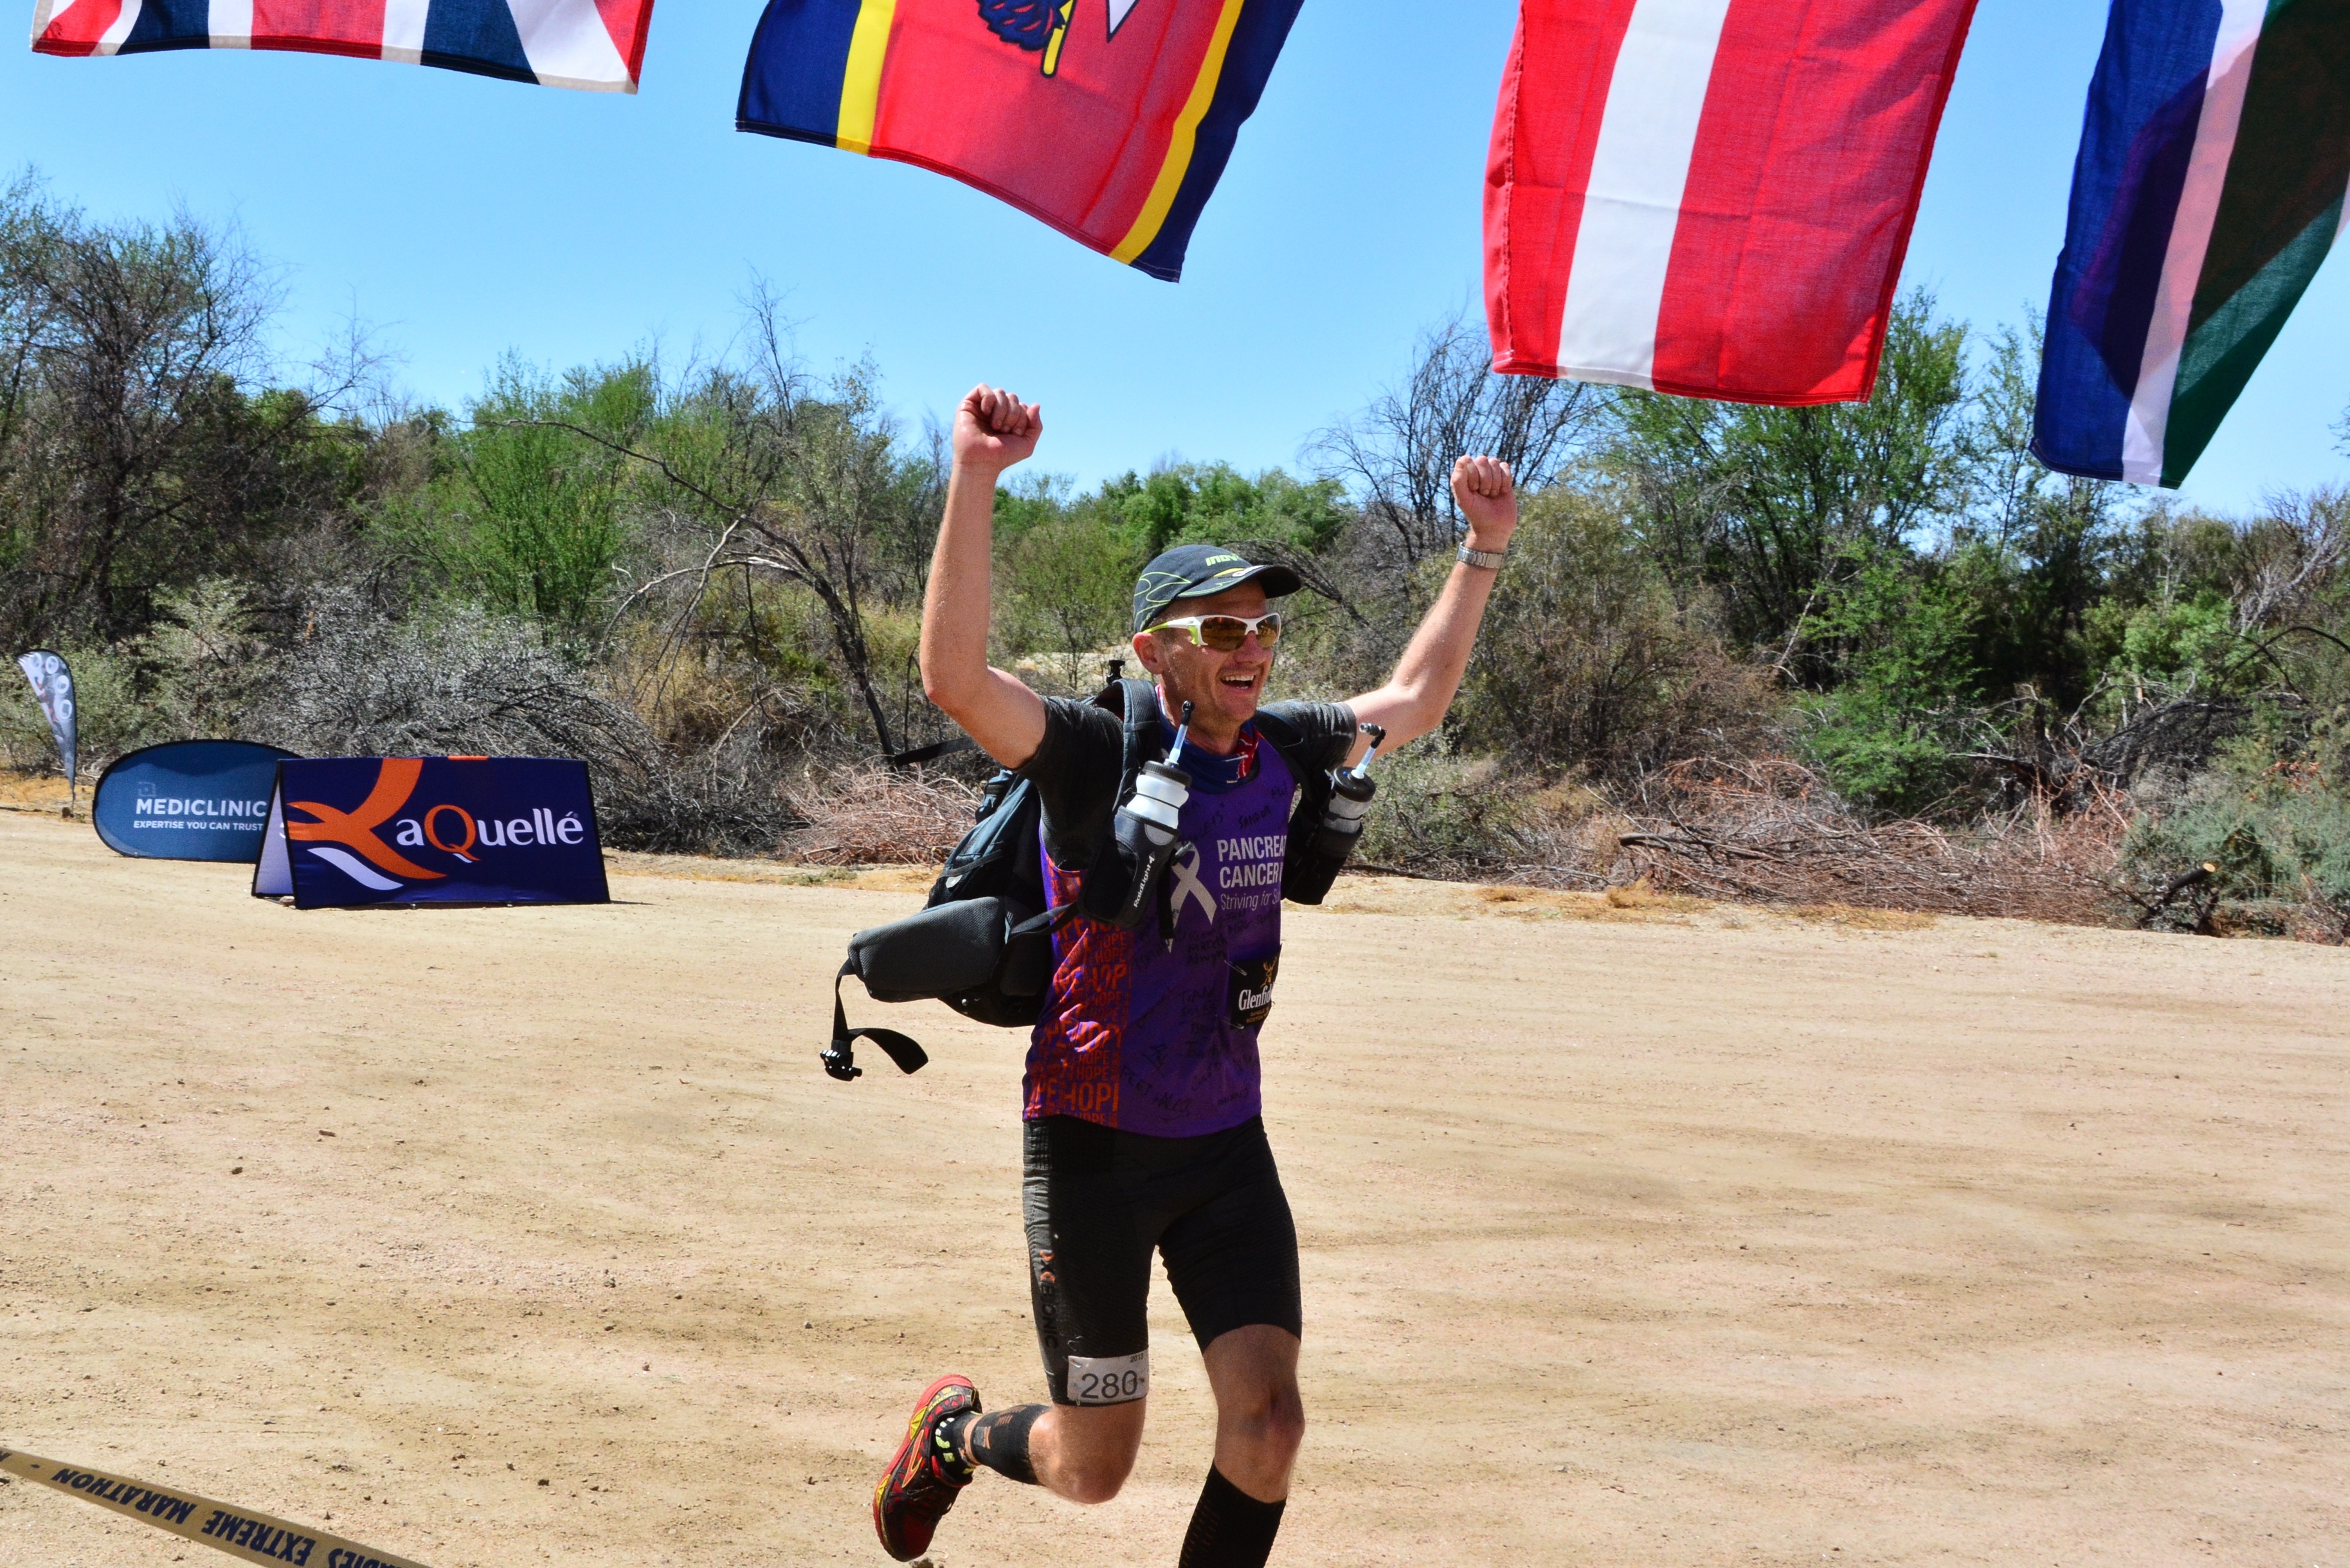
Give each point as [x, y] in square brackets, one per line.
[2208, 187]
[1710, 197]
[597, 45]
[53, 688]
[1109, 120]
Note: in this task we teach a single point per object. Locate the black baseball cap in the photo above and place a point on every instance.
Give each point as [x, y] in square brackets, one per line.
[1193, 571]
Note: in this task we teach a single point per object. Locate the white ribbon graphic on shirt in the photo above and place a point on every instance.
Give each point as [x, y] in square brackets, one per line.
[1186, 872]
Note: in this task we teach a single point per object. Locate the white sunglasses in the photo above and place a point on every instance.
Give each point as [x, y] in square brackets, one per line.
[1225, 633]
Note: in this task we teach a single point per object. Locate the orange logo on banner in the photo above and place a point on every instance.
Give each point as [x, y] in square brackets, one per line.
[461, 851]
[393, 784]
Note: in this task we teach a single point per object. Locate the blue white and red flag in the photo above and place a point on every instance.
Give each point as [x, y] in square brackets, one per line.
[2208, 189]
[596, 45]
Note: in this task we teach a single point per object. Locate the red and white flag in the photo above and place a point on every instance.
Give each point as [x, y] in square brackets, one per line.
[1711, 197]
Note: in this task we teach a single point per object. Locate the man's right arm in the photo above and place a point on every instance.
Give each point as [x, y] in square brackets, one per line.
[992, 431]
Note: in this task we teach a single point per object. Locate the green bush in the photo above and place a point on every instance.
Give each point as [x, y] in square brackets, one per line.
[1067, 594]
[1438, 811]
[1215, 503]
[110, 715]
[2276, 832]
[1587, 662]
[2177, 640]
[1878, 752]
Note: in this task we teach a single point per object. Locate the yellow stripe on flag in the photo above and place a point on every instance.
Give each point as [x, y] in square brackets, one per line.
[1179, 148]
[860, 84]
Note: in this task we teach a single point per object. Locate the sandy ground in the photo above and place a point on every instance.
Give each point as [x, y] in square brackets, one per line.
[1645, 1235]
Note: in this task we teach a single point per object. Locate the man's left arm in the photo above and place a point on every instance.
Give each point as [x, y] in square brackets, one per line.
[1414, 699]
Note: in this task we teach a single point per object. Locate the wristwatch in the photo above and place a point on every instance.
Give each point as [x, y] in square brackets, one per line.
[1489, 559]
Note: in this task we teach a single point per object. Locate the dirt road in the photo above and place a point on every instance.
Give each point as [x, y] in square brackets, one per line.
[1632, 1236]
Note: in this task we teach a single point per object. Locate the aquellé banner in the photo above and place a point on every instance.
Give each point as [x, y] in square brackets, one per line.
[352, 831]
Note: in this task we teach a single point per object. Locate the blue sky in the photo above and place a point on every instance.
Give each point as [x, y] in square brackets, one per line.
[467, 217]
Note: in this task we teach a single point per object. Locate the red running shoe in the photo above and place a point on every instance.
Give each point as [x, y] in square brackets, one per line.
[921, 1482]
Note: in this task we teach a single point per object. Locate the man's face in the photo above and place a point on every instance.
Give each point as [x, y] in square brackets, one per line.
[1224, 689]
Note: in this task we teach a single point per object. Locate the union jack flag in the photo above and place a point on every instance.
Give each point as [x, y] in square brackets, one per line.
[596, 45]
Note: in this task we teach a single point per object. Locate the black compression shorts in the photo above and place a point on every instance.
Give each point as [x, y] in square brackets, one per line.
[1097, 1201]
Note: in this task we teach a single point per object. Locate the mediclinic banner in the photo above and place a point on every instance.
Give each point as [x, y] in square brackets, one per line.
[190, 800]
[345, 832]
[53, 688]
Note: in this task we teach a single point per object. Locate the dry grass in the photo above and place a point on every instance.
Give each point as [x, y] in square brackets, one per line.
[870, 816]
[885, 879]
[1772, 832]
[1643, 895]
[39, 791]
[1862, 919]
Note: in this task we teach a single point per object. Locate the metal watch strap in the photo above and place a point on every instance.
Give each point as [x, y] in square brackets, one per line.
[1489, 559]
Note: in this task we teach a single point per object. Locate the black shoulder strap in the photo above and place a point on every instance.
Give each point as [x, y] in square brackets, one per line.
[1290, 741]
[1311, 772]
[1137, 704]
[840, 1057]
[1139, 714]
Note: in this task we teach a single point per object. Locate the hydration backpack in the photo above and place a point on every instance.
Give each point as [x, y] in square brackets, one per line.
[984, 942]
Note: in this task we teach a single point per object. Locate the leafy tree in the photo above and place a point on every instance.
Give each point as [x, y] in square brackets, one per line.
[755, 472]
[139, 449]
[1910, 631]
[1768, 507]
[1068, 589]
[1585, 660]
[1214, 503]
[525, 516]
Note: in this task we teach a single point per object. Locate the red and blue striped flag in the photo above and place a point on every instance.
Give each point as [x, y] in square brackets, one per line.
[597, 45]
[2208, 189]
[1109, 120]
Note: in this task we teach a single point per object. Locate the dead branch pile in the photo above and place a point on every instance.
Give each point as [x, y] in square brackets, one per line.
[1774, 832]
[875, 816]
[2073, 764]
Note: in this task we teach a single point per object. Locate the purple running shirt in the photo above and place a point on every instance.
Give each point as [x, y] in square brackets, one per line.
[1137, 1034]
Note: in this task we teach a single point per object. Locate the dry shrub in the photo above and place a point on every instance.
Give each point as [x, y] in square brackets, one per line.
[358, 683]
[1643, 895]
[1586, 654]
[875, 816]
[1772, 832]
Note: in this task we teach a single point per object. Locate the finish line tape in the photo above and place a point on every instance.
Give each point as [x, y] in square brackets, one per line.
[244, 1534]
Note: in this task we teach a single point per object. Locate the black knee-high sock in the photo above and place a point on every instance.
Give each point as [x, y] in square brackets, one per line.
[1000, 1441]
[1230, 1529]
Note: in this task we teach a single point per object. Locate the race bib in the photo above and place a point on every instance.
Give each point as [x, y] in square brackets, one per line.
[1109, 1379]
[1250, 990]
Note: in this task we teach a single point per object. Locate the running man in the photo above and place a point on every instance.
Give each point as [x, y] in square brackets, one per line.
[1142, 1126]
